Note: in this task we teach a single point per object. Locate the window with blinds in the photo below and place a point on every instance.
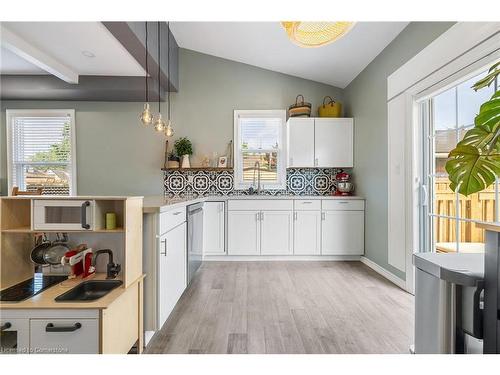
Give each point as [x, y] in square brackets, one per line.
[41, 151]
[259, 147]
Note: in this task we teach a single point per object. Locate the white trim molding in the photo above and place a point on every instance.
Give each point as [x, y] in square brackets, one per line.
[453, 50]
[382, 271]
[272, 258]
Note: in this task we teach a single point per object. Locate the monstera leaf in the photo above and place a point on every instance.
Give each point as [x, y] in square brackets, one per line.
[475, 163]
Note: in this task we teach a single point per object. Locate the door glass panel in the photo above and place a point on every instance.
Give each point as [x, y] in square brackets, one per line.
[469, 101]
[445, 110]
[445, 235]
[62, 215]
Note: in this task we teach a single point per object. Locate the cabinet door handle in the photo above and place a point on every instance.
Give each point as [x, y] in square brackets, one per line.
[316, 162]
[84, 215]
[295, 216]
[257, 216]
[291, 161]
[177, 213]
[51, 328]
[5, 326]
[164, 242]
[262, 216]
[323, 216]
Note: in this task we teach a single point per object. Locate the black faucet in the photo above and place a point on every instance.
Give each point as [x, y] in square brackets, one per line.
[112, 268]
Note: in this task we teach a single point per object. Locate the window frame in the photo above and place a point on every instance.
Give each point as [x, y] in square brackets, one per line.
[11, 114]
[282, 149]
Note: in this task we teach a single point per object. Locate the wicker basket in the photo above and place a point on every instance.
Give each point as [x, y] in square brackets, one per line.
[300, 109]
[330, 109]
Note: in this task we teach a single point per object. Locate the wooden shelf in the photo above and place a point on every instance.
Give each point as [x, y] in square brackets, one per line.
[198, 169]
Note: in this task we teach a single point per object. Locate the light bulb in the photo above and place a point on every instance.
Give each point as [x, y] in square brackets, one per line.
[169, 131]
[146, 116]
[159, 123]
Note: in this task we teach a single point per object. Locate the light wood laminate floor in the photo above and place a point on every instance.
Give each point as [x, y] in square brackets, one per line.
[288, 307]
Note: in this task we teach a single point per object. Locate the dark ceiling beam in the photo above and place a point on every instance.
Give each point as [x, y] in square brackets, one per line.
[89, 88]
[132, 35]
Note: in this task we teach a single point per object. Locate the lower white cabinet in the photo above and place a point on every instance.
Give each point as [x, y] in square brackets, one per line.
[15, 335]
[276, 229]
[213, 228]
[172, 278]
[342, 233]
[307, 232]
[243, 232]
[64, 336]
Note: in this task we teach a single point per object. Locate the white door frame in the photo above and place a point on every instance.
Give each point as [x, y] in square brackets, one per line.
[460, 51]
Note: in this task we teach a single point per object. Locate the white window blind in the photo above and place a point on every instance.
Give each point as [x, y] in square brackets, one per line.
[41, 151]
[259, 139]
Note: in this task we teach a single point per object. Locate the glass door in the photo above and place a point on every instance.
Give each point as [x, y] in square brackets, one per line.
[447, 219]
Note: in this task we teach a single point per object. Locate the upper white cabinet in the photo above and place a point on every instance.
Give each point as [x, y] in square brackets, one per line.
[213, 228]
[300, 137]
[320, 142]
[333, 140]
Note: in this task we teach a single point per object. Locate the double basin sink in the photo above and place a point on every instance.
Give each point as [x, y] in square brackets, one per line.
[89, 291]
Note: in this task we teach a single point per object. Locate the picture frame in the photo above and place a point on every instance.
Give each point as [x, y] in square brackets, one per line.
[222, 162]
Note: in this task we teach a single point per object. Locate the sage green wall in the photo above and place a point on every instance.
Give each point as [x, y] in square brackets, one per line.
[117, 156]
[366, 99]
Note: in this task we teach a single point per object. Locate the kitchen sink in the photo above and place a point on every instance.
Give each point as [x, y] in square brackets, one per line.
[89, 290]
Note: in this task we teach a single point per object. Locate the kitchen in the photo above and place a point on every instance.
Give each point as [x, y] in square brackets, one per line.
[198, 198]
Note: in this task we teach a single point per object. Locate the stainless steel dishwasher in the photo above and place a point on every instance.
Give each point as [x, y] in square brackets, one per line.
[195, 239]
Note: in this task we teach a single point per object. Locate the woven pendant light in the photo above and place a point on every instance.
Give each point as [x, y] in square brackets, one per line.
[316, 34]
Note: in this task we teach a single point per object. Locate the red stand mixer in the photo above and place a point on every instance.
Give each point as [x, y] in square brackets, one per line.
[344, 186]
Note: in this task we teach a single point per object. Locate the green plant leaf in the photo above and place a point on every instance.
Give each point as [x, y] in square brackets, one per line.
[471, 171]
[481, 137]
[489, 113]
[489, 79]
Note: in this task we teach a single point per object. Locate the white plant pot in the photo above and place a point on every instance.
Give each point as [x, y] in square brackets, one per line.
[185, 161]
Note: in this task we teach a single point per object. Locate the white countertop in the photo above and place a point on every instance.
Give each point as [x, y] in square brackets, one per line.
[160, 203]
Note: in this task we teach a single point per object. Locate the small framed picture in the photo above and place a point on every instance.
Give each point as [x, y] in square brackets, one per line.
[222, 162]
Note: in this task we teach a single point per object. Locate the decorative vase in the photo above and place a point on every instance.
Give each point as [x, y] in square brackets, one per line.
[185, 161]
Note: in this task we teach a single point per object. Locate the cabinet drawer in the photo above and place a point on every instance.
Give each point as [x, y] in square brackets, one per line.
[306, 205]
[260, 204]
[171, 219]
[343, 205]
[64, 336]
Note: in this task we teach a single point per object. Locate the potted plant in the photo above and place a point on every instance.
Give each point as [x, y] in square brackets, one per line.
[173, 160]
[475, 163]
[184, 149]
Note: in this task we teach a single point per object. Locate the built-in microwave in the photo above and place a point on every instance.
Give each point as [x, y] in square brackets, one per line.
[55, 214]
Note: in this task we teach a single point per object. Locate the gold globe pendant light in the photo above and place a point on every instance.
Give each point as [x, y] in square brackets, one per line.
[316, 34]
[159, 124]
[169, 130]
[146, 116]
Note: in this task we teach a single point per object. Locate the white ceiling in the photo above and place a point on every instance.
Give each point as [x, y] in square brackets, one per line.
[65, 41]
[10, 63]
[266, 45]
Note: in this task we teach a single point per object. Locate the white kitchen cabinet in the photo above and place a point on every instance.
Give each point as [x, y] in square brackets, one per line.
[172, 270]
[300, 136]
[243, 232]
[213, 228]
[276, 232]
[320, 142]
[342, 232]
[333, 140]
[65, 336]
[307, 232]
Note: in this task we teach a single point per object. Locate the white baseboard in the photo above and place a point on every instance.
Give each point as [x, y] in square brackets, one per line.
[268, 258]
[382, 271]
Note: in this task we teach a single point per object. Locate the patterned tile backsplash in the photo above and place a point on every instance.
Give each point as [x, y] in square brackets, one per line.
[194, 183]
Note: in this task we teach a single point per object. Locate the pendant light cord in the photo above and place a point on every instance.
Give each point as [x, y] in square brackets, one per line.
[147, 66]
[159, 65]
[168, 70]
